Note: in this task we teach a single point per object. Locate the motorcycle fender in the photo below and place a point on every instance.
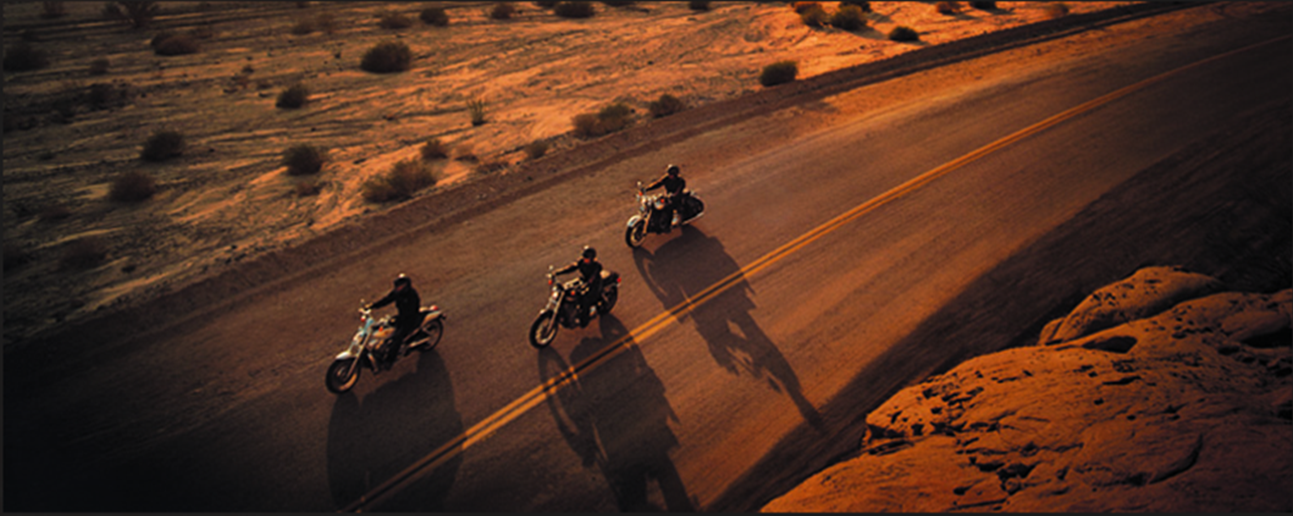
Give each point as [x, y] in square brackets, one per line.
[634, 220]
[345, 355]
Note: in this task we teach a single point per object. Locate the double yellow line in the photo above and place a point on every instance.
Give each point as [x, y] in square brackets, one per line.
[537, 395]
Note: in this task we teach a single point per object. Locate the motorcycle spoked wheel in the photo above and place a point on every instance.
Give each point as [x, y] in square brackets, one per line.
[342, 375]
[635, 234]
[433, 330]
[544, 329]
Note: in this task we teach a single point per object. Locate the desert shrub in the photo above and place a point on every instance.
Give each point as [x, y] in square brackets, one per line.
[698, 5]
[163, 145]
[1057, 10]
[904, 33]
[666, 105]
[304, 159]
[52, 10]
[477, 109]
[947, 8]
[401, 182]
[99, 66]
[610, 119]
[502, 11]
[861, 4]
[536, 150]
[849, 17]
[175, 44]
[84, 253]
[302, 27]
[800, 7]
[395, 21]
[132, 186]
[434, 16]
[779, 72]
[984, 6]
[434, 149]
[574, 9]
[387, 57]
[137, 13]
[22, 57]
[293, 97]
[814, 15]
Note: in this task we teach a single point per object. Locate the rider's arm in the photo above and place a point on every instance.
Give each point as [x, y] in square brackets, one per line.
[383, 301]
[657, 184]
[566, 269]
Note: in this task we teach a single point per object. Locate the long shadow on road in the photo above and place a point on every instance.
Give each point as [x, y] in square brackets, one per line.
[370, 440]
[683, 267]
[616, 416]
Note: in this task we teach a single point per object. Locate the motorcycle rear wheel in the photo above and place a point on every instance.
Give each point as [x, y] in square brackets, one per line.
[609, 297]
[433, 330]
[342, 375]
[543, 330]
[635, 234]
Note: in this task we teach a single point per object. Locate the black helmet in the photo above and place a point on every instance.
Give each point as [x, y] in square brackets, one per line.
[673, 170]
[589, 252]
[402, 280]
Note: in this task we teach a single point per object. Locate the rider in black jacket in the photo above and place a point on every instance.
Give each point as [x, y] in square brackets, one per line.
[673, 185]
[590, 270]
[409, 305]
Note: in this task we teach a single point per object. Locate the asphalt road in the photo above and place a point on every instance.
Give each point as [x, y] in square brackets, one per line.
[819, 254]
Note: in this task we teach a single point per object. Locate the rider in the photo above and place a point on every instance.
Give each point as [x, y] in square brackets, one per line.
[590, 270]
[409, 305]
[673, 185]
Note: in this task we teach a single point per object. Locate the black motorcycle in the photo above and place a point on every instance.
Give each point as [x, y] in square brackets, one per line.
[563, 306]
[650, 217]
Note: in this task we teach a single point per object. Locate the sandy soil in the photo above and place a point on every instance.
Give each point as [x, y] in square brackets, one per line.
[228, 197]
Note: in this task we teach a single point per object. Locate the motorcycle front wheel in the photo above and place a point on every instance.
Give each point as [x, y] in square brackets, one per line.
[635, 234]
[543, 330]
[342, 375]
[433, 330]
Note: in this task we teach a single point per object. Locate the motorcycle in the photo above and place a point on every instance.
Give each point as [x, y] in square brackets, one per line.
[362, 353]
[650, 220]
[563, 306]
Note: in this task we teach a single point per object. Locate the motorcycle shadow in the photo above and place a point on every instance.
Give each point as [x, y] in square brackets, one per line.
[616, 416]
[683, 268]
[373, 438]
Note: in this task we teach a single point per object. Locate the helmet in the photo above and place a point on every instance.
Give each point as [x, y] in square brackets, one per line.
[589, 252]
[402, 280]
[673, 170]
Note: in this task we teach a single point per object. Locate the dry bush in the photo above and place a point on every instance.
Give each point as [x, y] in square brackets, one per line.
[477, 109]
[84, 253]
[293, 97]
[904, 33]
[1056, 10]
[22, 57]
[502, 11]
[814, 15]
[434, 16]
[849, 18]
[401, 182]
[698, 5]
[801, 7]
[163, 145]
[666, 105]
[546, 4]
[387, 57]
[136, 13]
[537, 149]
[861, 4]
[984, 6]
[99, 66]
[395, 21]
[303, 159]
[434, 149]
[779, 72]
[132, 186]
[574, 9]
[610, 119]
[948, 8]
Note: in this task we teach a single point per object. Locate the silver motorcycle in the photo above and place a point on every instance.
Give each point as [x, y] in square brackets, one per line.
[563, 306]
[373, 332]
[650, 217]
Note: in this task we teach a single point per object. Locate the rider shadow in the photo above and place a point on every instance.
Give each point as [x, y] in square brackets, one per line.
[679, 270]
[616, 416]
[405, 419]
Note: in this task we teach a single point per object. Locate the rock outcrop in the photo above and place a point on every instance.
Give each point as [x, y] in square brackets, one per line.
[1157, 393]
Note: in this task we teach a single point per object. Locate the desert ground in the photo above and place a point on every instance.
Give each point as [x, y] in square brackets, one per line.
[228, 198]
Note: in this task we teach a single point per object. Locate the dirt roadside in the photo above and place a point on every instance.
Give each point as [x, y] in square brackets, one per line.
[207, 295]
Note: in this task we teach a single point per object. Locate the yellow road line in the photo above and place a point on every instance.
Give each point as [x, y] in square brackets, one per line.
[480, 431]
